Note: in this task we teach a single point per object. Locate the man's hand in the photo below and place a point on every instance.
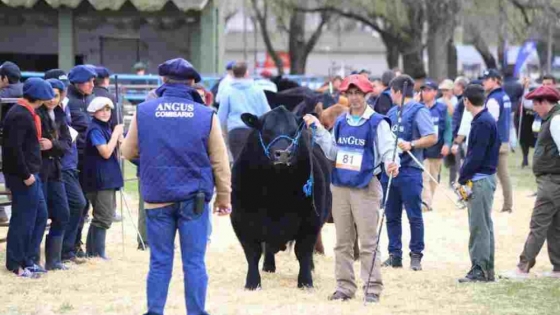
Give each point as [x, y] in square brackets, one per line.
[455, 149]
[393, 169]
[30, 181]
[221, 208]
[45, 144]
[405, 146]
[445, 150]
[310, 120]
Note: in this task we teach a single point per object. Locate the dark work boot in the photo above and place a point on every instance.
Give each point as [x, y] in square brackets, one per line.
[99, 235]
[53, 248]
[415, 261]
[476, 274]
[393, 261]
[89, 243]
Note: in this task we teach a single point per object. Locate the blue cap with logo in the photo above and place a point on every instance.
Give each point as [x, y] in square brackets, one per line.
[429, 83]
[178, 69]
[81, 74]
[37, 88]
[491, 74]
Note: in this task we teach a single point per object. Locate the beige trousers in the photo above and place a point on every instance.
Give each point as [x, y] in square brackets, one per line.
[433, 166]
[503, 176]
[356, 208]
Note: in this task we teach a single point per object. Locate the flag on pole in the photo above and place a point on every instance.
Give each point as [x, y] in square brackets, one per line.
[528, 48]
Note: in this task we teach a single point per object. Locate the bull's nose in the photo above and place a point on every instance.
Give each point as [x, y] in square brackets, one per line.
[282, 156]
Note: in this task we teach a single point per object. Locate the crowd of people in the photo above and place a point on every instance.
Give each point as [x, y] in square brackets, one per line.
[388, 139]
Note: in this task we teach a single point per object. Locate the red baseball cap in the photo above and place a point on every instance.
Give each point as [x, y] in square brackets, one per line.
[544, 93]
[359, 81]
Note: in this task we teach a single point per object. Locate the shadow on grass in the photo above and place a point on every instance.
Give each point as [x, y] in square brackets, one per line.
[540, 296]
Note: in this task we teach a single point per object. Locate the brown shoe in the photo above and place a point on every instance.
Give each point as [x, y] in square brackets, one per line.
[76, 260]
[339, 296]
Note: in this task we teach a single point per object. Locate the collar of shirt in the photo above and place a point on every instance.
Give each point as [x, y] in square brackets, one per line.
[365, 116]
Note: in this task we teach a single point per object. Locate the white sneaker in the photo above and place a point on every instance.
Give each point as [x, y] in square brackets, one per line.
[515, 275]
[550, 274]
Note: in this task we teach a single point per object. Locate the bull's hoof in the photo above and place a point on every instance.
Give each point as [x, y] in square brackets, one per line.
[253, 287]
[269, 269]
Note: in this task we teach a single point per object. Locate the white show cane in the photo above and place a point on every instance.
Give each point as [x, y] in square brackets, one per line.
[121, 164]
[380, 229]
[433, 179]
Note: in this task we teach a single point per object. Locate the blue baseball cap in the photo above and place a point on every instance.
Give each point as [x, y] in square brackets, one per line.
[429, 83]
[10, 69]
[57, 74]
[39, 89]
[178, 69]
[491, 74]
[81, 74]
[229, 65]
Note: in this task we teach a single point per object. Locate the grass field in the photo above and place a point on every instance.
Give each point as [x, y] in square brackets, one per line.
[118, 286]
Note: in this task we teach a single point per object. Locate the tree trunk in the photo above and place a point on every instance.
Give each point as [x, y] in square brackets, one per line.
[413, 63]
[296, 43]
[392, 53]
[437, 52]
[262, 19]
[411, 46]
[452, 71]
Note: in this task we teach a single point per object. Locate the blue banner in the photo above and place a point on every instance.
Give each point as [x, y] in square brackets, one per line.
[523, 55]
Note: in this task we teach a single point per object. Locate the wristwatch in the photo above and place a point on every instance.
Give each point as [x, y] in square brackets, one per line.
[412, 144]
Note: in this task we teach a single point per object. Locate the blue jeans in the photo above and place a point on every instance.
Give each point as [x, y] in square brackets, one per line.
[162, 224]
[57, 205]
[27, 224]
[76, 204]
[406, 189]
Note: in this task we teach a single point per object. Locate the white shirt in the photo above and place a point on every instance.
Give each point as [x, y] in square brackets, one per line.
[465, 127]
[555, 130]
[493, 108]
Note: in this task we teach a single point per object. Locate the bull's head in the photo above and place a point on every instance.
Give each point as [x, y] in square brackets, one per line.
[279, 133]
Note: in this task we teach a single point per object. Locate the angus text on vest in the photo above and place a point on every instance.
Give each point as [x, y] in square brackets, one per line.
[351, 140]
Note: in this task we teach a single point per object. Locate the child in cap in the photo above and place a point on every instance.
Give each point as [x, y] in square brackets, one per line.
[102, 173]
[21, 158]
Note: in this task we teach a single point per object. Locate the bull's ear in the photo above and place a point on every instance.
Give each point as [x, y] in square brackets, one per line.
[251, 120]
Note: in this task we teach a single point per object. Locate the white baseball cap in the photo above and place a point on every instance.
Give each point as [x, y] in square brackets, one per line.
[99, 103]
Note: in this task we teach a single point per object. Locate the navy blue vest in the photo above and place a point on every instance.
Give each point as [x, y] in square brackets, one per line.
[504, 122]
[439, 115]
[100, 173]
[406, 130]
[173, 134]
[355, 143]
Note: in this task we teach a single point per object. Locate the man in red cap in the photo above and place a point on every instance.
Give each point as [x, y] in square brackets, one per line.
[360, 142]
[545, 221]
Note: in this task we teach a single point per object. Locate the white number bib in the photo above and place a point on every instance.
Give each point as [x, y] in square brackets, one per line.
[349, 159]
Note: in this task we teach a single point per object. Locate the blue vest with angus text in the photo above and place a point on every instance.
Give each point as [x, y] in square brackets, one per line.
[355, 160]
[100, 173]
[173, 133]
[504, 122]
[406, 130]
[439, 115]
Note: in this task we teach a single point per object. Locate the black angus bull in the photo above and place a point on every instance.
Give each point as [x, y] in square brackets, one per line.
[268, 198]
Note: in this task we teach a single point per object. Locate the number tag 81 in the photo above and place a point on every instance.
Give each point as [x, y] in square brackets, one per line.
[349, 159]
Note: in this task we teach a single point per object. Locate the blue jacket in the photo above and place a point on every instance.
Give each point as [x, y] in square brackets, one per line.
[483, 148]
[242, 96]
[504, 121]
[408, 130]
[70, 160]
[78, 103]
[458, 116]
[439, 115]
[100, 173]
[355, 144]
[174, 132]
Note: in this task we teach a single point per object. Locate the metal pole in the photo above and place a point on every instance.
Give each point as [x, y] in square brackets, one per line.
[549, 49]
[118, 111]
[255, 42]
[245, 55]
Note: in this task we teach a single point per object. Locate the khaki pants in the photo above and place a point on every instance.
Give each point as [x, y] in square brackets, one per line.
[433, 166]
[503, 176]
[356, 208]
[545, 224]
